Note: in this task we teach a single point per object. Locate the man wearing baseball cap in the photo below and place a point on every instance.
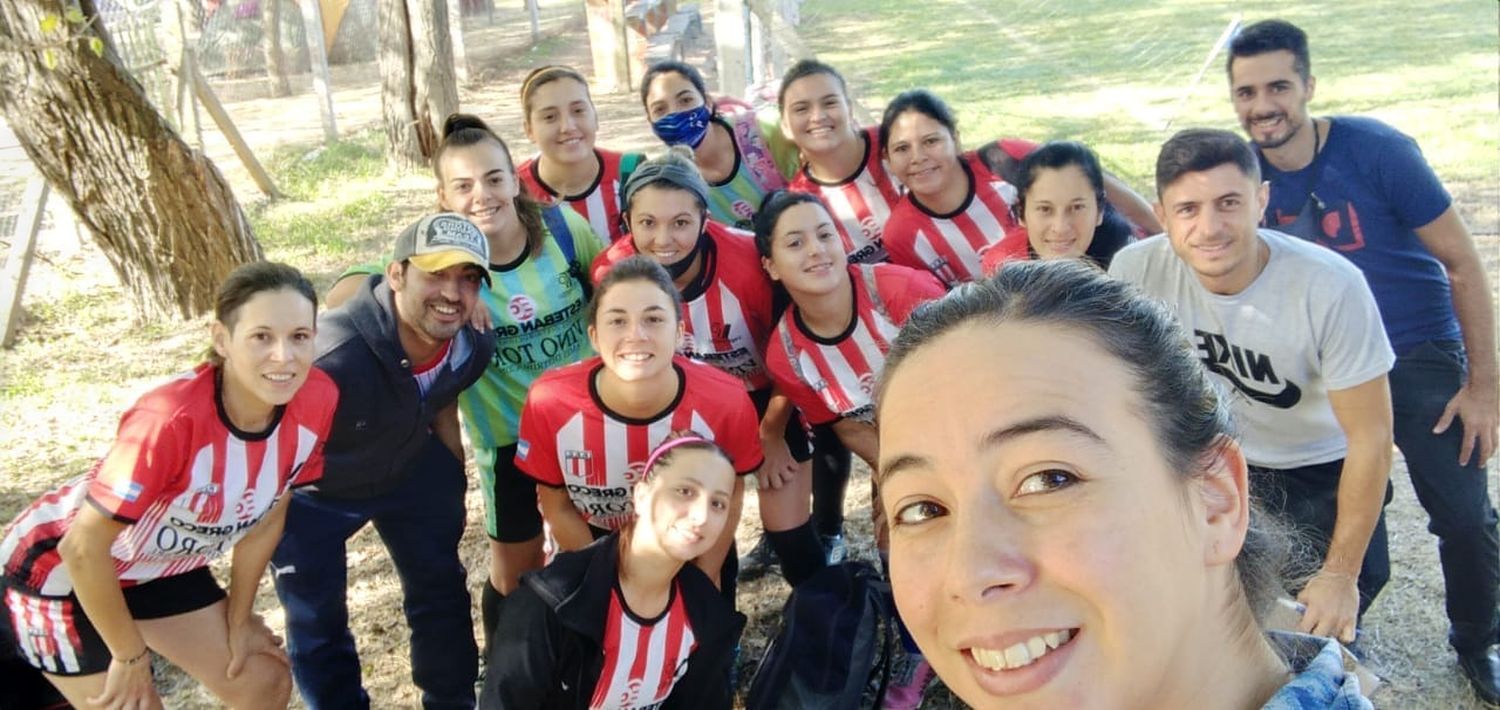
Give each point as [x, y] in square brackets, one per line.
[401, 349]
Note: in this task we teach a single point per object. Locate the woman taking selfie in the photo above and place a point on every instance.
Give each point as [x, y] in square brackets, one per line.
[1070, 519]
[114, 564]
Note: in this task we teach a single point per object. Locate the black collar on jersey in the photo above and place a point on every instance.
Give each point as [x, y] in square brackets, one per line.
[864, 160]
[963, 162]
[853, 318]
[666, 411]
[513, 264]
[733, 144]
[239, 433]
[708, 250]
[637, 618]
[536, 174]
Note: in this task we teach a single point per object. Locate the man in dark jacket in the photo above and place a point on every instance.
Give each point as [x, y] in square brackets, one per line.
[400, 350]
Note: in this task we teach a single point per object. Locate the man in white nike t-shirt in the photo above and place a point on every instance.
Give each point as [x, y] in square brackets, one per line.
[1293, 338]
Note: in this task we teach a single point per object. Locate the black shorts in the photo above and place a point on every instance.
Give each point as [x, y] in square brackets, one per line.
[795, 434]
[510, 503]
[55, 636]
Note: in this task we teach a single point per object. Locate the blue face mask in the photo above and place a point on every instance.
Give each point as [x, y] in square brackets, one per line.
[684, 127]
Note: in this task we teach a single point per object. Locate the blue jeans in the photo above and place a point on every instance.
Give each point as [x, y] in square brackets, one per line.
[1456, 498]
[421, 523]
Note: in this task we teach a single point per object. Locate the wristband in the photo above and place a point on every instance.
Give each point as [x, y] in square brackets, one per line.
[138, 658]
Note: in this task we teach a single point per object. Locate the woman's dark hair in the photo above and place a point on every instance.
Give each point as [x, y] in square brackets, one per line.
[245, 282]
[542, 76]
[1113, 231]
[1057, 155]
[806, 68]
[675, 67]
[922, 101]
[770, 213]
[1181, 406]
[461, 130]
[635, 268]
[673, 170]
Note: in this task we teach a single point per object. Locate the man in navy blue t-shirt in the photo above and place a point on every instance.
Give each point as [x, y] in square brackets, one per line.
[1363, 189]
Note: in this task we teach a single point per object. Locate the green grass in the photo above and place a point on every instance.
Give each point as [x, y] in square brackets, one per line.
[341, 205]
[323, 228]
[305, 173]
[1111, 73]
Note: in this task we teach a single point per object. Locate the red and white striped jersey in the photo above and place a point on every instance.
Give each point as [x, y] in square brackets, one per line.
[952, 245]
[727, 312]
[570, 439]
[187, 484]
[832, 378]
[600, 203]
[643, 658]
[860, 204]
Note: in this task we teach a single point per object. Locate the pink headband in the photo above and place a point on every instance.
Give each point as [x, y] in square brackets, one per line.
[664, 448]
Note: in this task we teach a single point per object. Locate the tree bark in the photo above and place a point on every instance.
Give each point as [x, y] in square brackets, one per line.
[417, 86]
[270, 22]
[162, 214]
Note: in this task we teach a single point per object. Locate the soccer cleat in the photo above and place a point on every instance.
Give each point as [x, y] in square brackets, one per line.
[1482, 668]
[760, 560]
[834, 549]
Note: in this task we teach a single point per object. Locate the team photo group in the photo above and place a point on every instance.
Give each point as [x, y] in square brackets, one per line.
[1124, 450]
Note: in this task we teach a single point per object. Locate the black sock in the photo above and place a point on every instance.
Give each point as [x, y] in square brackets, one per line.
[490, 601]
[800, 553]
[830, 467]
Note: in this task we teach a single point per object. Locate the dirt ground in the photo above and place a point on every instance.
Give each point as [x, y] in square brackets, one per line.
[78, 331]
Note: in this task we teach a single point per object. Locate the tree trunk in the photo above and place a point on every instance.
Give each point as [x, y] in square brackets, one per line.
[270, 23]
[417, 87]
[163, 215]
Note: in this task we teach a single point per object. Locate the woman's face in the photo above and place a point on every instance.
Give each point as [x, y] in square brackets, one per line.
[478, 182]
[1043, 554]
[923, 153]
[807, 255]
[686, 502]
[665, 223]
[562, 122]
[636, 330]
[815, 114]
[269, 349]
[1061, 213]
[671, 92]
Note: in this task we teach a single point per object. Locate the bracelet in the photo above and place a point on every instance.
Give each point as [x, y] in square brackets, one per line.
[138, 658]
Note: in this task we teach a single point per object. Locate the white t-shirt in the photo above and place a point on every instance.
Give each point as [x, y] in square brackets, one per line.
[1306, 325]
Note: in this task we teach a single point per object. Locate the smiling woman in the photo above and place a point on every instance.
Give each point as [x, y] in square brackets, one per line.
[587, 428]
[114, 564]
[956, 209]
[1081, 536]
[628, 621]
[562, 123]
